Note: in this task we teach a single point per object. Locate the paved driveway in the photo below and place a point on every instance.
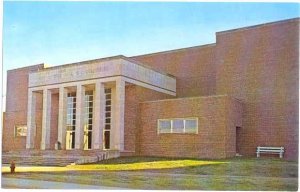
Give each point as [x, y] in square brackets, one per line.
[38, 184]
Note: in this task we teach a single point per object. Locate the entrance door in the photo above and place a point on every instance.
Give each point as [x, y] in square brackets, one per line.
[87, 139]
[238, 140]
[70, 140]
[107, 139]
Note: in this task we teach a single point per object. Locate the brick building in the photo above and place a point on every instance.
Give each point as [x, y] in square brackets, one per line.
[209, 101]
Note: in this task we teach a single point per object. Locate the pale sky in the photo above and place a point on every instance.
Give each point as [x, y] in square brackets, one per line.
[57, 33]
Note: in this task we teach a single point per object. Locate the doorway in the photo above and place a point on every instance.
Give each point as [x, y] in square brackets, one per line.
[238, 140]
[70, 140]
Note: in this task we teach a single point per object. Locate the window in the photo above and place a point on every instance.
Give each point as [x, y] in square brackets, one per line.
[71, 121]
[108, 103]
[164, 126]
[187, 125]
[20, 131]
[178, 126]
[191, 126]
[88, 120]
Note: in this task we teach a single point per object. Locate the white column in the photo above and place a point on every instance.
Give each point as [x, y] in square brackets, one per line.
[98, 116]
[31, 126]
[45, 143]
[62, 117]
[79, 117]
[119, 114]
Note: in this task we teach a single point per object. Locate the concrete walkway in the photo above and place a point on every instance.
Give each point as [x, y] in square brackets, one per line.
[8, 183]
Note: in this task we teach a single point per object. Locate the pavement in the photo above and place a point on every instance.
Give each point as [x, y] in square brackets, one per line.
[9, 183]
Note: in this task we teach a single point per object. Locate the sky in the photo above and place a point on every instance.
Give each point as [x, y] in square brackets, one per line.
[57, 33]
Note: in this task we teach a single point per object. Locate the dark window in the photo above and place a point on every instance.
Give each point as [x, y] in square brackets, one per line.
[107, 90]
[107, 114]
[107, 126]
[107, 139]
[107, 120]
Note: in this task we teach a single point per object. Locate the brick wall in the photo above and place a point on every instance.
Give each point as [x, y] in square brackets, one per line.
[134, 95]
[54, 120]
[259, 66]
[194, 69]
[16, 106]
[216, 128]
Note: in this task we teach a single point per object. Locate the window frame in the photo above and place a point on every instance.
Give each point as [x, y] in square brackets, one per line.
[184, 125]
[15, 131]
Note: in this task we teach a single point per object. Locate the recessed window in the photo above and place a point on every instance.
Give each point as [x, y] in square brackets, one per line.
[187, 125]
[20, 131]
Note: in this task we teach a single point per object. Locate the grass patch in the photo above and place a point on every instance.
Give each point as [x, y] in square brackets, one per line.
[179, 174]
[135, 166]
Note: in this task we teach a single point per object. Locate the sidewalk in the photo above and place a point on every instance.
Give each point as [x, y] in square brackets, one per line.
[9, 183]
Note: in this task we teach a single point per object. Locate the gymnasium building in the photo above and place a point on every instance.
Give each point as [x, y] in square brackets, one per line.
[210, 101]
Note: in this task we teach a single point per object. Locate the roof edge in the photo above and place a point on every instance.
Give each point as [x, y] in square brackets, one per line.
[258, 25]
[86, 62]
[174, 50]
[42, 65]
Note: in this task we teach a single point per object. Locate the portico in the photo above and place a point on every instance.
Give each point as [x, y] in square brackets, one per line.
[91, 101]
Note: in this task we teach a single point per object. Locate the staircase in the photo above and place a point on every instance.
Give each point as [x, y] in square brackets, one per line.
[57, 157]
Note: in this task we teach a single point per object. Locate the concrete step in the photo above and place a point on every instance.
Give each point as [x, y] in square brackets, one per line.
[57, 157]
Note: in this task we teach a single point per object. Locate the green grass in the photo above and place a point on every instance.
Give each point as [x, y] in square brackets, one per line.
[180, 174]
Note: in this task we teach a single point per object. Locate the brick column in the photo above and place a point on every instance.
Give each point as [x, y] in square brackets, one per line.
[45, 143]
[98, 116]
[119, 114]
[61, 137]
[79, 117]
[31, 125]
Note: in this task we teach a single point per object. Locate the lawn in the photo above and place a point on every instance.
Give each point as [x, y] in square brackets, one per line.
[166, 173]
